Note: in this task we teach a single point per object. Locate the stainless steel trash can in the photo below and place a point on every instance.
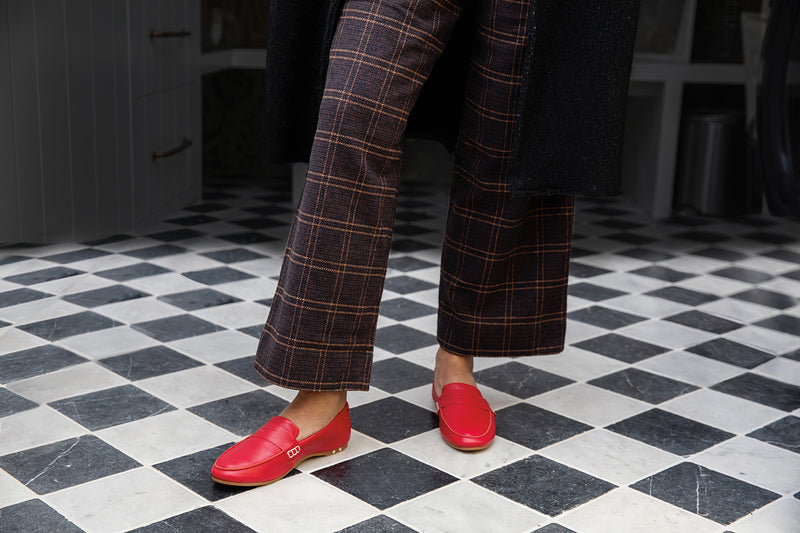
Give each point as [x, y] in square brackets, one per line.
[712, 177]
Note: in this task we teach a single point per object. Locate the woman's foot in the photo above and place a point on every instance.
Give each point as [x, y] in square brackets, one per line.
[283, 442]
[466, 421]
[451, 368]
[312, 411]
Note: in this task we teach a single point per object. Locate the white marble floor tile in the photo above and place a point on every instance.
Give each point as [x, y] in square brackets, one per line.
[12, 491]
[138, 310]
[628, 282]
[298, 503]
[718, 285]
[67, 382]
[123, 501]
[576, 364]
[646, 306]
[252, 289]
[195, 386]
[756, 462]
[610, 456]
[108, 342]
[428, 324]
[452, 508]
[781, 516]
[737, 310]
[628, 511]
[14, 340]
[74, 284]
[770, 341]
[217, 347]
[589, 404]
[666, 334]
[782, 369]
[359, 444]
[723, 411]
[691, 368]
[167, 283]
[235, 315]
[166, 436]
[36, 427]
[430, 448]
[38, 310]
[580, 331]
[185, 262]
[429, 297]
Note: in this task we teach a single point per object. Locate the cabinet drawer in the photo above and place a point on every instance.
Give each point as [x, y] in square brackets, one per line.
[166, 144]
[165, 43]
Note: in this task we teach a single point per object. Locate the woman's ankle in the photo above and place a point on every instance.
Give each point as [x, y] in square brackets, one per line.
[451, 368]
[312, 410]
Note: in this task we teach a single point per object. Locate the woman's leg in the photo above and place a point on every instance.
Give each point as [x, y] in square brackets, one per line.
[505, 261]
[320, 332]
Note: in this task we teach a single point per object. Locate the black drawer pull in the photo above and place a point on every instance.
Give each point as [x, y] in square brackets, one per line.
[162, 34]
[186, 143]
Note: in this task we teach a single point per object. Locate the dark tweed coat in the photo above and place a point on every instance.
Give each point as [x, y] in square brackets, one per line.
[568, 136]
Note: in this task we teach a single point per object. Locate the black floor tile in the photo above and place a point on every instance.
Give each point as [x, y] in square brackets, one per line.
[663, 273]
[12, 259]
[742, 274]
[631, 238]
[206, 207]
[700, 236]
[192, 220]
[35, 362]
[175, 235]
[384, 478]
[783, 323]
[215, 276]
[149, 362]
[705, 492]
[535, 427]
[193, 471]
[394, 375]
[253, 331]
[784, 433]
[75, 256]
[784, 255]
[762, 390]
[139, 270]
[111, 407]
[176, 327]
[242, 414]
[771, 237]
[160, 250]
[728, 351]
[554, 528]
[577, 252]
[233, 255]
[795, 275]
[11, 403]
[409, 245]
[106, 295]
[720, 254]
[604, 317]
[65, 464]
[44, 275]
[595, 293]
[407, 284]
[119, 237]
[768, 298]
[243, 368]
[621, 348]
[203, 520]
[520, 380]
[544, 485]
[579, 270]
[259, 223]
[643, 385]
[683, 296]
[409, 264]
[381, 523]
[670, 432]
[34, 515]
[198, 299]
[55, 329]
[392, 419]
[403, 309]
[247, 237]
[705, 322]
[646, 254]
[400, 339]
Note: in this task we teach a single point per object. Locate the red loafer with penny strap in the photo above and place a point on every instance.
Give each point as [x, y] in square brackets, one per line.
[273, 451]
[465, 419]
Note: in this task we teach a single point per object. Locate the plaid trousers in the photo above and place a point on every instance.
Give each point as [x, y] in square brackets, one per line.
[505, 260]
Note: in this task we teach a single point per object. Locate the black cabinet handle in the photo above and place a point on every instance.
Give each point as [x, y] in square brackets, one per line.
[186, 143]
[163, 34]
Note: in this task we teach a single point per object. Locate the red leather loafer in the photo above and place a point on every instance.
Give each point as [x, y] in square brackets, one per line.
[273, 451]
[465, 419]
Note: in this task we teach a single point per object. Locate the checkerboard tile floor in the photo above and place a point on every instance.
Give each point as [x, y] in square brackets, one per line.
[126, 368]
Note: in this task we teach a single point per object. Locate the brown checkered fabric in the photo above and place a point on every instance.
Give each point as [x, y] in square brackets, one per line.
[505, 261]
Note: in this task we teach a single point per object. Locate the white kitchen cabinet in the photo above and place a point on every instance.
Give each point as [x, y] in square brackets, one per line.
[86, 98]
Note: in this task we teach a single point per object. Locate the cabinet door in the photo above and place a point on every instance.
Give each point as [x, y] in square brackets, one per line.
[9, 212]
[164, 43]
[164, 161]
